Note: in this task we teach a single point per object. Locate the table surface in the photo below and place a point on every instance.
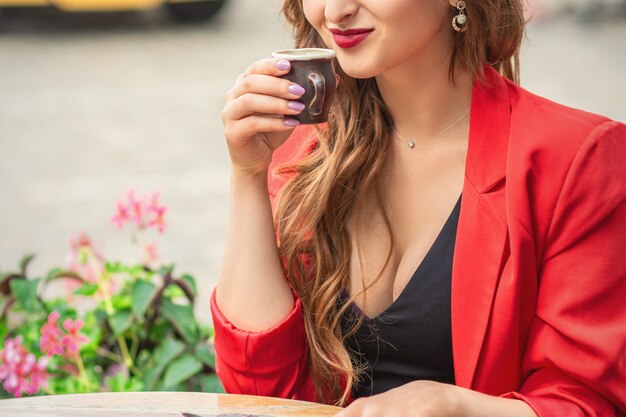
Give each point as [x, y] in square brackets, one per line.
[151, 404]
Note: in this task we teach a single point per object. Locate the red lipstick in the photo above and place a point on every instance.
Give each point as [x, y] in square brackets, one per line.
[351, 37]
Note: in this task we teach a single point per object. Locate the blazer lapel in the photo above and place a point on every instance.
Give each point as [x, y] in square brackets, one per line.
[481, 245]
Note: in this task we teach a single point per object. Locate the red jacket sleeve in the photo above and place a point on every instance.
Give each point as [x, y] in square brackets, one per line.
[576, 353]
[272, 362]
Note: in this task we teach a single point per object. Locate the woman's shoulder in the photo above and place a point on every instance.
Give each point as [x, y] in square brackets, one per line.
[551, 145]
[539, 117]
[543, 129]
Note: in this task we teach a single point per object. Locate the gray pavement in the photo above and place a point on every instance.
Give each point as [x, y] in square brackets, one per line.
[91, 105]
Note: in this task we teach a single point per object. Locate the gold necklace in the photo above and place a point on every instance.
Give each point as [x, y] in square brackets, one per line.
[411, 144]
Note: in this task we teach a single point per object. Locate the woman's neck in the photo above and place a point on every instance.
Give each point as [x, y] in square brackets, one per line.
[421, 98]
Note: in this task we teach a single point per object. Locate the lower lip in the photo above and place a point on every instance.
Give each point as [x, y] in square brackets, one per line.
[350, 41]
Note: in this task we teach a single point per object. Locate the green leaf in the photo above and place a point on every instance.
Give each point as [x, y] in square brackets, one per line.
[112, 267]
[54, 272]
[142, 294]
[31, 334]
[120, 321]
[181, 370]
[25, 292]
[93, 329]
[134, 384]
[123, 383]
[173, 292]
[65, 386]
[57, 273]
[25, 261]
[182, 318]
[166, 269]
[122, 301]
[211, 383]
[116, 383]
[4, 329]
[191, 282]
[159, 330]
[61, 306]
[166, 352]
[151, 377]
[136, 271]
[117, 267]
[205, 354]
[205, 331]
[87, 289]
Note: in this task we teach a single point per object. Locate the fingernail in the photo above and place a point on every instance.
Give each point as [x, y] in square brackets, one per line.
[283, 65]
[295, 105]
[296, 89]
[291, 122]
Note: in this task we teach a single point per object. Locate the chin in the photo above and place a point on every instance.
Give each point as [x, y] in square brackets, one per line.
[362, 65]
[357, 72]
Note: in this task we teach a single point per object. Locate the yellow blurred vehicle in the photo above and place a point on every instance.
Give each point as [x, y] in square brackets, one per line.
[182, 9]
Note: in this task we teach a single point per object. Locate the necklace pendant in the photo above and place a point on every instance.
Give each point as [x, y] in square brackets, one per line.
[410, 144]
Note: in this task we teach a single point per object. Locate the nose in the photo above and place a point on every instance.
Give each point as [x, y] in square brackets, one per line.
[340, 11]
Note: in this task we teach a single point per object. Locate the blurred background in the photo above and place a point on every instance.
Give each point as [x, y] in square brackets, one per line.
[94, 104]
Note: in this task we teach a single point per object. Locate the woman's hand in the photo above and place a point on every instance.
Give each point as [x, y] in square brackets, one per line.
[433, 399]
[256, 115]
[415, 399]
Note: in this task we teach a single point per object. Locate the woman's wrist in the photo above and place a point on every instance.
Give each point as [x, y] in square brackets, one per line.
[475, 404]
[255, 178]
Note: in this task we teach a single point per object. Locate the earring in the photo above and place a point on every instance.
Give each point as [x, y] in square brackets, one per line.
[459, 21]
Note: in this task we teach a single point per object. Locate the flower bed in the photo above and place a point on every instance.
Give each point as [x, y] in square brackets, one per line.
[114, 327]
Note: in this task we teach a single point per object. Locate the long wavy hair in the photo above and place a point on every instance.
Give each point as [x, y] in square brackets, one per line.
[332, 180]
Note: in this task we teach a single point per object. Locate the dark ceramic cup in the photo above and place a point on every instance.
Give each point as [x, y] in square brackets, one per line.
[313, 69]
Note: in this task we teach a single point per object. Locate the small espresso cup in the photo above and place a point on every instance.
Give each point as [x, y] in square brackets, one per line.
[313, 69]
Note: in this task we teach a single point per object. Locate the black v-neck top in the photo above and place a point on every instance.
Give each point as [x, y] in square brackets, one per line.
[412, 338]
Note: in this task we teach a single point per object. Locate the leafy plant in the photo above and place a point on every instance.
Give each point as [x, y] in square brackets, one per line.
[115, 327]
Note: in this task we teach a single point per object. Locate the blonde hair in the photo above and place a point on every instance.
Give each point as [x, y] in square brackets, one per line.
[332, 180]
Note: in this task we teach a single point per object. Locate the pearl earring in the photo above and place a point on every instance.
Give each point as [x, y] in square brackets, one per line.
[459, 21]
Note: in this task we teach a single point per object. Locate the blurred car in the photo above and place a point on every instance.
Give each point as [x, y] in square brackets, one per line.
[181, 9]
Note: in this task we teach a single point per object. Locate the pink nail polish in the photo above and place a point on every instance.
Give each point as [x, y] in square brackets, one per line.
[296, 89]
[295, 105]
[283, 65]
[291, 122]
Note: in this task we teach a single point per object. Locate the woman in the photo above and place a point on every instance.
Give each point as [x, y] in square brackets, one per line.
[448, 243]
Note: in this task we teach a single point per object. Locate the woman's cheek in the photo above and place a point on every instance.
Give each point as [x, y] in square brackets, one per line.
[314, 13]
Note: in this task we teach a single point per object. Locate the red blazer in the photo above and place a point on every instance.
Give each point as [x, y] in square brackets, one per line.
[539, 271]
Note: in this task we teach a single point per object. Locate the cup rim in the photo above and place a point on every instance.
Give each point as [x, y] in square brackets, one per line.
[315, 53]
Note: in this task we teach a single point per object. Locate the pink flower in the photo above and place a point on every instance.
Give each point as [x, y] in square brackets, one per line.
[158, 213]
[72, 340]
[10, 359]
[122, 215]
[151, 254]
[55, 342]
[39, 376]
[84, 258]
[19, 369]
[137, 208]
[80, 240]
[144, 212]
[50, 342]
